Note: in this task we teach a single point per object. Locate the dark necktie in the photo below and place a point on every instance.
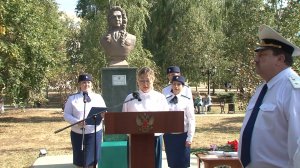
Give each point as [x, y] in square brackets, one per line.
[174, 100]
[247, 134]
[88, 99]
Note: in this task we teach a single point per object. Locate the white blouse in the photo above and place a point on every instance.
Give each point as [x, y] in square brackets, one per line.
[151, 101]
[74, 110]
[189, 115]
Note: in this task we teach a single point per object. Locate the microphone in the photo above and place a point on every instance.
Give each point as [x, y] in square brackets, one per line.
[126, 101]
[136, 95]
[86, 97]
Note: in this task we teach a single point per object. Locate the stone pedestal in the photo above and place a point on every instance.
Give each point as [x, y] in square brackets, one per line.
[117, 83]
[113, 154]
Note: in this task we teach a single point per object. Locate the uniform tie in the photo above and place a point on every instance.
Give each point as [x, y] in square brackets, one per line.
[247, 134]
[174, 100]
[88, 99]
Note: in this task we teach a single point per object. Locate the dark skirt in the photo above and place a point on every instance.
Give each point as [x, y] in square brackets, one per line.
[89, 142]
[178, 156]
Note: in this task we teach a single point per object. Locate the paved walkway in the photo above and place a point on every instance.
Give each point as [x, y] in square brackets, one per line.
[65, 161]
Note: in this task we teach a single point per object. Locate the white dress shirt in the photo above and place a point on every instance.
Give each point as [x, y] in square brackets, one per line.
[297, 156]
[74, 110]
[277, 127]
[189, 115]
[151, 101]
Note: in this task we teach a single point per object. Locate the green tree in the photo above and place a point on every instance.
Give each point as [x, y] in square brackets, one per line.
[241, 22]
[187, 34]
[30, 46]
[63, 76]
[288, 23]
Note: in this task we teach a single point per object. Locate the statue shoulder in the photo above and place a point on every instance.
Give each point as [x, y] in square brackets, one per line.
[131, 36]
[106, 38]
[130, 39]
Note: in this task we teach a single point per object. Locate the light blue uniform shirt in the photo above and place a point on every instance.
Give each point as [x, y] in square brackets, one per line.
[277, 127]
[189, 115]
[74, 110]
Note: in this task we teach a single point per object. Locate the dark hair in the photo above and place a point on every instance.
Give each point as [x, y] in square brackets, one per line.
[288, 57]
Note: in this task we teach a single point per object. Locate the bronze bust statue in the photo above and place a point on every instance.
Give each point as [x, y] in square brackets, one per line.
[117, 43]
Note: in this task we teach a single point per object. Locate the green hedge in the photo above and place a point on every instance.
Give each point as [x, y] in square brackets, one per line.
[227, 97]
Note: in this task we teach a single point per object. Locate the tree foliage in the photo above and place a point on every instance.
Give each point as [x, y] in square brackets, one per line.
[240, 26]
[185, 33]
[30, 46]
[42, 47]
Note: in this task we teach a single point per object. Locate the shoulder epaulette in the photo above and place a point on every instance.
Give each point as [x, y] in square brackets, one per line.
[295, 81]
[167, 85]
[73, 94]
[168, 96]
[185, 96]
[186, 86]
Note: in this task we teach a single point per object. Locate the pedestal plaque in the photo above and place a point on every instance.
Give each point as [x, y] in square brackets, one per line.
[117, 83]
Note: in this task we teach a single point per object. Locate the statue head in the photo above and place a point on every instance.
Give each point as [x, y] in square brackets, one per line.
[117, 43]
[117, 18]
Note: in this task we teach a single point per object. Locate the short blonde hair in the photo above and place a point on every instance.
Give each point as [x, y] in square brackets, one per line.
[146, 71]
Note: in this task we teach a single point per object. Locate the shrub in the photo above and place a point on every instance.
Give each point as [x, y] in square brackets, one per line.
[228, 97]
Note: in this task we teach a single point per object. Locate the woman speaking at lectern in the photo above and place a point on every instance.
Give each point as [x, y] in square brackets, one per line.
[77, 108]
[148, 100]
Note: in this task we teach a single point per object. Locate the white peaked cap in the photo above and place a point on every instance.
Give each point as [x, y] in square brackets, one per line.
[270, 38]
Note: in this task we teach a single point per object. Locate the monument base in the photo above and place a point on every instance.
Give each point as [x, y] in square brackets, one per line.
[117, 83]
[119, 64]
[113, 154]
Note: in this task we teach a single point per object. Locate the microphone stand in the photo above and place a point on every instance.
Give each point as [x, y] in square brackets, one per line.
[128, 100]
[95, 142]
[95, 127]
[59, 130]
[83, 132]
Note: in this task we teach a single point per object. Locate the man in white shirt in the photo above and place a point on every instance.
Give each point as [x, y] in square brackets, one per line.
[271, 126]
[297, 156]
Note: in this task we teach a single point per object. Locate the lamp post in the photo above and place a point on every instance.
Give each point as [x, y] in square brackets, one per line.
[210, 72]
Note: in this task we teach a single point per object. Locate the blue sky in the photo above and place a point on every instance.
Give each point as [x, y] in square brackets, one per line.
[67, 6]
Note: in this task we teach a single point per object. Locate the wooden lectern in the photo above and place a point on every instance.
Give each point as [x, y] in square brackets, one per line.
[141, 126]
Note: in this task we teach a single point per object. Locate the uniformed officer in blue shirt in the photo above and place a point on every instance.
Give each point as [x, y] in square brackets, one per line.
[186, 90]
[178, 145]
[271, 126]
[76, 109]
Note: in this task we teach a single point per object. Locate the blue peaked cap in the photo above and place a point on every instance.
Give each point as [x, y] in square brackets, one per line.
[173, 69]
[84, 77]
[180, 79]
